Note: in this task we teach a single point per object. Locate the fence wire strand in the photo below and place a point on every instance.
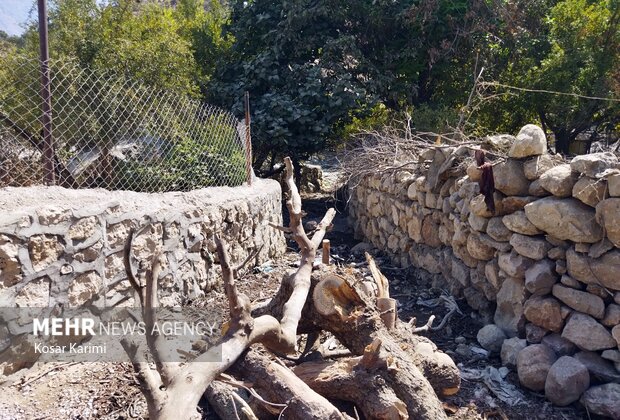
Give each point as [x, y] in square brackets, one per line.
[113, 132]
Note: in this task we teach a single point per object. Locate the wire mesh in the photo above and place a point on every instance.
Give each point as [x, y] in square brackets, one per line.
[113, 132]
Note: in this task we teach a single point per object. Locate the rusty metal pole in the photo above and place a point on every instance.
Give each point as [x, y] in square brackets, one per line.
[248, 139]
[46, 95]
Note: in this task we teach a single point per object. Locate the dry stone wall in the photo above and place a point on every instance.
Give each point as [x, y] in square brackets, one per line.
[543, 269]
[66, 246]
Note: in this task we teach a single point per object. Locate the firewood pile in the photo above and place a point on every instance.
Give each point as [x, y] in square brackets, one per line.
[383, 370]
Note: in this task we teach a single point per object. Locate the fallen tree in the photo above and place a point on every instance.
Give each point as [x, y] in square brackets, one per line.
[388, 371]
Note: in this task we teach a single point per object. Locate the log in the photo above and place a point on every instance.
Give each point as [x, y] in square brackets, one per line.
[358, 380]
[279, 384]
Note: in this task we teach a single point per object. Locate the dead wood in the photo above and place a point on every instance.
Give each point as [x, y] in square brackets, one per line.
[278, 384]
[397, 375]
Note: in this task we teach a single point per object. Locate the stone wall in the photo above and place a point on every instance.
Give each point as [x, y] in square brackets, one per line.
[543, 268]
[66, 246]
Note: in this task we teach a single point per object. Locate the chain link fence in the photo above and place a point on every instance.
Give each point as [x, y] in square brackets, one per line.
[113, 132]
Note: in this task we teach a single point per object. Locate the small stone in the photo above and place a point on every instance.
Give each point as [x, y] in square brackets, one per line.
[531, 141]
[599, 248]
[460, 340]
[597, 290]
[491, 338]
[603, 270]
[83, 228]
[44, 250]
[513, 203]
[533, 364]
[590, 191]
[613, 355]
[544, 312]
[510, 179]
[582, 248]
[35, 294]
[537, 190]
[613, 183]
[560, 345]
[509, 312]
[535, 167]
[510, 349]
[587, 334]
[567, 379]
[519, 223]
[559, 180]
[580, 301]
[66, 269]
[361, 248]
[603, 400]
[497, 230]
[530, 247]
[608, 216]
[560, 267]
[570, 282]
[594, 164]
[53, 215]
[83, 288]
[534, 334]
[463, 350]
[540, 277]
[556, 253]
[10, 267]
[478, 249]
[473, 172]
[612, 315]
[615, 332]
[513, 264]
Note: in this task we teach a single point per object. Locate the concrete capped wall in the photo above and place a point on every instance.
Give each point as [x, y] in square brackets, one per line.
[66, 246]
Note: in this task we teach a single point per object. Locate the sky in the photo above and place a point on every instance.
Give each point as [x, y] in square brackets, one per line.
[13, 14]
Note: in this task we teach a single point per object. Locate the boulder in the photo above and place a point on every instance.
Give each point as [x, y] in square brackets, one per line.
[533, 364]
[473, 172]
[510, 349]
[544, 312]
[599, 368]
[559, 180]
[533, 168]
[565, 219]
[567, 379]
[603, 270]
[491, 337]
[580, 301]
[519, 223]
[509, 311]
[587, 334]
[590, 191]
[594, 164]
[530, 247]
[608, 215]
[531, 141]
[510, 179]
[540, 277]
[603, 400]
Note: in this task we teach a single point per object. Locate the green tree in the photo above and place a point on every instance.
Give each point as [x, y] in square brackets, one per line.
[569, 46]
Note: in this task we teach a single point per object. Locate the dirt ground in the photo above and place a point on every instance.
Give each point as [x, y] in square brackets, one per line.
[110, 391]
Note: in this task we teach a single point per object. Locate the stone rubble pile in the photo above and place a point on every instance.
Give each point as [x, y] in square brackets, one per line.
[544, 268]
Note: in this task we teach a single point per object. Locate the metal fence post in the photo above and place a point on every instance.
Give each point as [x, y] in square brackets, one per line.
[248, 139]
[46, 95]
